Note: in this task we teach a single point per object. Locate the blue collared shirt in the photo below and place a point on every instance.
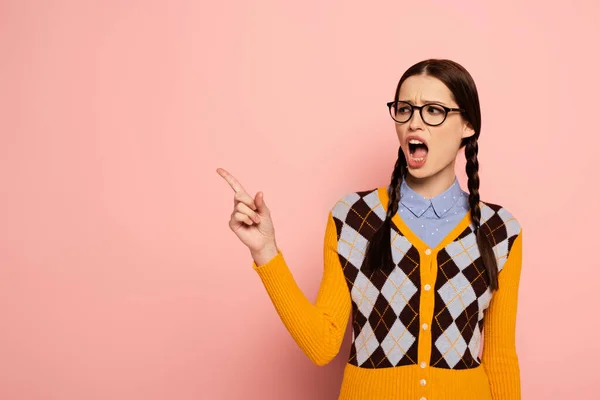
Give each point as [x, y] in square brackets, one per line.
[433, 219]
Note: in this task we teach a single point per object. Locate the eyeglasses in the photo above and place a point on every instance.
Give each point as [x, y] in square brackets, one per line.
[434, 114]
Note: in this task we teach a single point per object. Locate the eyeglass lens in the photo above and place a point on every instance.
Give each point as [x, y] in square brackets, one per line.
[431, 113]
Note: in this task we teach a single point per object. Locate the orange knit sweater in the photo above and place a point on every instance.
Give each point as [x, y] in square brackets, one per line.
[416, 332]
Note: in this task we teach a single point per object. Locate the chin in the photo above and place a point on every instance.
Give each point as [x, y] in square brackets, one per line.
[426, 171]
[421, 173]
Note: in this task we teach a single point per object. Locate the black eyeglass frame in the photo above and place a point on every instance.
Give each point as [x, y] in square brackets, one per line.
[420, 108]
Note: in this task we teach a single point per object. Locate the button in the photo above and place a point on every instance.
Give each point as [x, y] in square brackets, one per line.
[425, 326]
[423, 398]
[423, 364]
[427, 287]
[428, 251]
[423, 382]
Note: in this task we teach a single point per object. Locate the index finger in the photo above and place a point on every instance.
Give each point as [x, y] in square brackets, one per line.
[235, 185]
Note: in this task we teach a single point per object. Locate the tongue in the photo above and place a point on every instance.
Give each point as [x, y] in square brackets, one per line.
[419, 152]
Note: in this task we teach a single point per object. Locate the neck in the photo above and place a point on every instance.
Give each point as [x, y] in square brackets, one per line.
[431, 186]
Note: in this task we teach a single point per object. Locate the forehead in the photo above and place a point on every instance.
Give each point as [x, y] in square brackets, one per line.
[424, 87]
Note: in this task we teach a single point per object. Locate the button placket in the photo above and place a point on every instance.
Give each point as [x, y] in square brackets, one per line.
[428, 265]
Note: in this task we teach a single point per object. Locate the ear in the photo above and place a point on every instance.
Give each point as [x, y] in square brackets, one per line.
[468, 130]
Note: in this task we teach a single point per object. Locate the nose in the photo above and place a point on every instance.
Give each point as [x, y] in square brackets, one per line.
[416, 122]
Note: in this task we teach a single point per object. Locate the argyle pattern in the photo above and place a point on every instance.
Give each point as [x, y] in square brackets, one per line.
[385, 308]
[461, 290]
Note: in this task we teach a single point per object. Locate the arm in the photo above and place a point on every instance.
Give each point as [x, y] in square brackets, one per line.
[318, 328]
[499, 351]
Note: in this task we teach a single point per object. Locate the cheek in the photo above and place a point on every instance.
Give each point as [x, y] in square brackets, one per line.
[444, 150]
[399, 131]
[445, 144]
[401, 134]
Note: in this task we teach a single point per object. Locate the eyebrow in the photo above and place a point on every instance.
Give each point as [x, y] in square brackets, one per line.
[428, 101]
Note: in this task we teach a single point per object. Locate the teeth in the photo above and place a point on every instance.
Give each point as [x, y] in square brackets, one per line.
[415, 141]
[418, 159]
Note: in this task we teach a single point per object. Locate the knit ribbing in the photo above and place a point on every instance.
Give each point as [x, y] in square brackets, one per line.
[317, 328]
[413, 383]
[499, 351]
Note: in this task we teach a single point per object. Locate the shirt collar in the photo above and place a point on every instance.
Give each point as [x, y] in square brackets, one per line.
[442, 203]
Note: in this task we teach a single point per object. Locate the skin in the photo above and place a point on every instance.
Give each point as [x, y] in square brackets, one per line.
[251, 221]
[251, 218]
[443, 141]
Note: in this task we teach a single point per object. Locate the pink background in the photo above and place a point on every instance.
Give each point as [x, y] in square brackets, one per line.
[119, 276]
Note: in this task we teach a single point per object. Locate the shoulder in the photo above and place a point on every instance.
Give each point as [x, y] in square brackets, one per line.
[360, 203]
[497, 217]
[501, 227]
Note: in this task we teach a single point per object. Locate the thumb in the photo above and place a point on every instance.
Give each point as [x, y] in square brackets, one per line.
[259, 200]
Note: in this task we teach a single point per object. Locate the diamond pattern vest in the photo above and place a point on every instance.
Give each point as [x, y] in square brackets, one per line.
[430, 308]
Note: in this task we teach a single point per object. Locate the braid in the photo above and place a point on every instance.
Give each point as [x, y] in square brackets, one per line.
[378, 255]
[397, 177]
[484, 244]
[472, 168]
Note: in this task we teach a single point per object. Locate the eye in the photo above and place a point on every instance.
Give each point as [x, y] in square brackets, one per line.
[434, 109]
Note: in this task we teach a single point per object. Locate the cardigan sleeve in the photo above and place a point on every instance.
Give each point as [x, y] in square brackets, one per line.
[317, 328]
[499, 356]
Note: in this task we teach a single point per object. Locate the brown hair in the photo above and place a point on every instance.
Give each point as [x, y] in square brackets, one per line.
[461, 84]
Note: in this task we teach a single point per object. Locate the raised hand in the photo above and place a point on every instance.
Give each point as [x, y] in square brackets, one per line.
[251, 221]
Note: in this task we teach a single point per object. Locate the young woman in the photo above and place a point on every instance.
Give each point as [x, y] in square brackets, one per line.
[423, 267]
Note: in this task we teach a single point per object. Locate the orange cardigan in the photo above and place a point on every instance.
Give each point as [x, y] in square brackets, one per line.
[416, 332]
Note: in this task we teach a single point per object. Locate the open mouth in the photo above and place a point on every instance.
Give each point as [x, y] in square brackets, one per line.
[417, 149]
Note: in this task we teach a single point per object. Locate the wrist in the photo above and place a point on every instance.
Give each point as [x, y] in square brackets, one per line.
[265, 254]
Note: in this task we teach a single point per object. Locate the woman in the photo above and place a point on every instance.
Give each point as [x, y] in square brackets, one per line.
[424, 267]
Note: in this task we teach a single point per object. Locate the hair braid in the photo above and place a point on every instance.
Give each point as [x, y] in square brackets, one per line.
[382, 260]
[484, 244]
[397, 177]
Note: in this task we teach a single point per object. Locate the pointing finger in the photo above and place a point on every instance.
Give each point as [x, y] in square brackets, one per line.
[235, 185]
[240, 193]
